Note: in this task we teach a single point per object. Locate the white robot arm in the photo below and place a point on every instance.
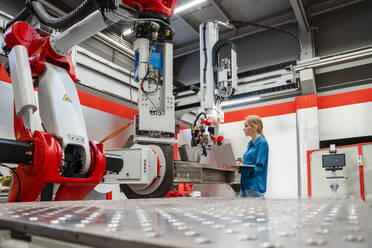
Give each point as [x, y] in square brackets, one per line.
[218, 81]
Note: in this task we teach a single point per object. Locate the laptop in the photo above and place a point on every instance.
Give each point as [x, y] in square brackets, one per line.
[224, 155]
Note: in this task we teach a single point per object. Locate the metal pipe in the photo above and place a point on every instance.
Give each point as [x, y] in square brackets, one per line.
[117, 45]
[337, 59]
[63, 42]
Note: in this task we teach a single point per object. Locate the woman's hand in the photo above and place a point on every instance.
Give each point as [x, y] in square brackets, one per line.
[225, 166]
[239, 162]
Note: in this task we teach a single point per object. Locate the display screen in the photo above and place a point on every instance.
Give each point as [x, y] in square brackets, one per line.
[333, 160]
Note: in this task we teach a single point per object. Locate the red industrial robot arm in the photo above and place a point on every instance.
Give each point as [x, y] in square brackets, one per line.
[72, 161]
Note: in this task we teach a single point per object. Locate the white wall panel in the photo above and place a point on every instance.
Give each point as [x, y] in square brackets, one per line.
[282, 178]
[363, 119]
[308, 139]
[6, 116]
[333, 121]
[100, 124]
[6, 106]
[345, 121]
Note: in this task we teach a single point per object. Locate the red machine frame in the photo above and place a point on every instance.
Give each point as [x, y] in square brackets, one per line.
[360, 165]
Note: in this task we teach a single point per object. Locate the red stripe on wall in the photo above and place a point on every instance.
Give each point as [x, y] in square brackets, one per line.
[308, 153]
[104, 105]
[347, 98]
[88, 100]
[330, 101]
[101, 104]
[265, 111]
[308, 101]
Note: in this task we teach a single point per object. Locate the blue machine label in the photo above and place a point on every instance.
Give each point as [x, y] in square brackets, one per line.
[156, 60]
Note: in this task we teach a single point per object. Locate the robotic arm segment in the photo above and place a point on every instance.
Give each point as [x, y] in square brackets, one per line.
[224, 73]
[24, 97]
[218, 79]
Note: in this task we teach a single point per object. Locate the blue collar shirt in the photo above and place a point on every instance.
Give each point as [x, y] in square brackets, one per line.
[257, 154]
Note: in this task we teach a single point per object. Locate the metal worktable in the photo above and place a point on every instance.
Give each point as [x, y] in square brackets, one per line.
[194, 222]
[191, 172]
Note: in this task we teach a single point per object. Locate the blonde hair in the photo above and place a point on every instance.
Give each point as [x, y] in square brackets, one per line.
[255, 120]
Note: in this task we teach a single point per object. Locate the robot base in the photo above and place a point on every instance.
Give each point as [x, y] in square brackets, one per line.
[147, 170]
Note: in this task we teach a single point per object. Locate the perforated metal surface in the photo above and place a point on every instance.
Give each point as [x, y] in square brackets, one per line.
[203, 222]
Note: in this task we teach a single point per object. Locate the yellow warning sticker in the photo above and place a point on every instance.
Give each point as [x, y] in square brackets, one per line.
[66, 98]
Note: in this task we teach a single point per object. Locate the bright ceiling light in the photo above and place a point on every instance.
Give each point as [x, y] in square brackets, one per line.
[188, 5]
[127, 32]
[239, 101]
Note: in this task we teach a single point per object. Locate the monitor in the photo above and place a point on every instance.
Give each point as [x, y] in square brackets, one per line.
[333, 161]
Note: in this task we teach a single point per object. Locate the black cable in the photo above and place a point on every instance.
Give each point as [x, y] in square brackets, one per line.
[146, 93]
[19, 180]
[272, 28]
[215, 54]
[21, 16]
[129, 9]
[153, 104]
[149, 79]
[193, 142]
[78, 14]
[107, 21]
[205, 53]
[197, 118]
[146, 78]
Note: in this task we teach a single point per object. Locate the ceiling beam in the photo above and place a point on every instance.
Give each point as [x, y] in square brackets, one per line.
[300, 14]
[186, 23]
[326, 6]
[222, 12]
[240, 33]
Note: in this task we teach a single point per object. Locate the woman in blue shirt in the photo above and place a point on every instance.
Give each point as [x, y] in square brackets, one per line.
[253, 179]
